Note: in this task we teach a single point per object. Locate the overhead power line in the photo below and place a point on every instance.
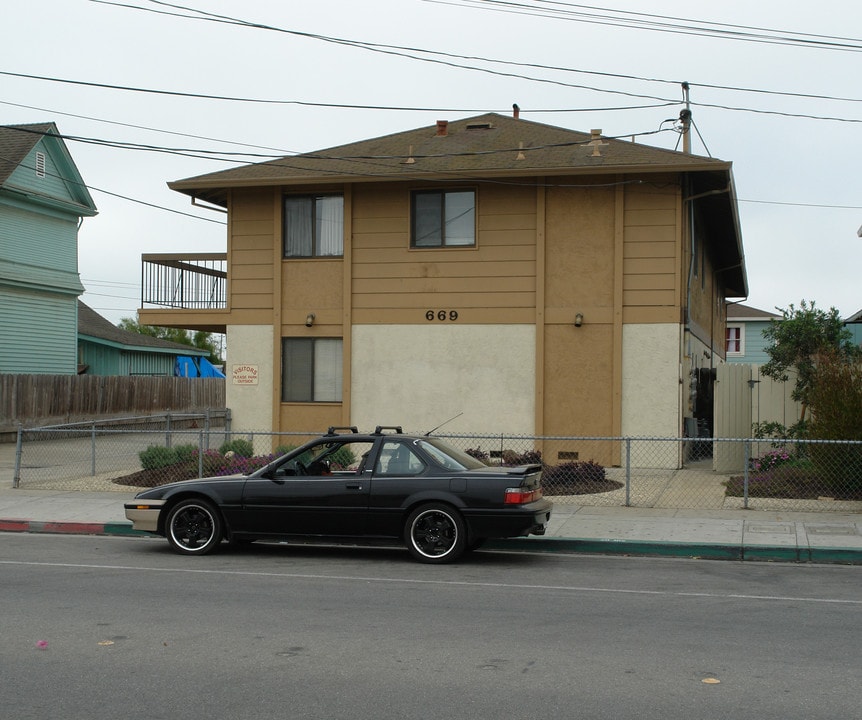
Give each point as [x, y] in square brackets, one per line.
[554, 9]
[448, 59]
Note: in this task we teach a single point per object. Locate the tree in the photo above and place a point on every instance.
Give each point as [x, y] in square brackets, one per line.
[798, 339]
[198, 339]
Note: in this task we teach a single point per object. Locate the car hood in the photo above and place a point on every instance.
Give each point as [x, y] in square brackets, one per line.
[162, 490]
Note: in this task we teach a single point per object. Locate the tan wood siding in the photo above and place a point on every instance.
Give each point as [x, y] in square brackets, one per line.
[652, 250]
[251, 277]
[392, 282]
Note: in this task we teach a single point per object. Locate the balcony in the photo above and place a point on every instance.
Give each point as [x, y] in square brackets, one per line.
[196, 281]
[192, 286]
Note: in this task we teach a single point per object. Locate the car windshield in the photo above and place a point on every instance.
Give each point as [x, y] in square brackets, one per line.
[449, 457]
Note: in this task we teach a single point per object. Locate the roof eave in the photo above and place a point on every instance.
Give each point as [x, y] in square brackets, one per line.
[215, 190]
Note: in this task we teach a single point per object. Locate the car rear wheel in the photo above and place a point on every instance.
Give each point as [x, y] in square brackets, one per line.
[435, 533]
[193, 527]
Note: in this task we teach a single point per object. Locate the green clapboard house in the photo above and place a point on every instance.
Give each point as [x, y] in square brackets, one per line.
[42, 201]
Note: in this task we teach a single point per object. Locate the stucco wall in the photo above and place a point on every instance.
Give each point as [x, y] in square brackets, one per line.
[251, 405]
[651, 374]
[419, 377]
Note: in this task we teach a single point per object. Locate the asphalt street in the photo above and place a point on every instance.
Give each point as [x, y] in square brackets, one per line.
[106, 627]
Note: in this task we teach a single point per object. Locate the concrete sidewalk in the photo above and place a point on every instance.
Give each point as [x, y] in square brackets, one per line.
[718, 534]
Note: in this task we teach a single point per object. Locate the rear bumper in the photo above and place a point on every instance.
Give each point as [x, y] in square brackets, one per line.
[516, 521]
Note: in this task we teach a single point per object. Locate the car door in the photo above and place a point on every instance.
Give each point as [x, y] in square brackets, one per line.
[322, 492]
[399, 473]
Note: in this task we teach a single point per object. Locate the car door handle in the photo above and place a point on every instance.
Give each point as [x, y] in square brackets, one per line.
[354, 486]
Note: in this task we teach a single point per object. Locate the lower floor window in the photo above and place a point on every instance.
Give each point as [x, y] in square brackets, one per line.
[311, 369]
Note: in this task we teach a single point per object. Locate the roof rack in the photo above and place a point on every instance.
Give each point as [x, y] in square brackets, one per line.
[394, 428]
[333, 428]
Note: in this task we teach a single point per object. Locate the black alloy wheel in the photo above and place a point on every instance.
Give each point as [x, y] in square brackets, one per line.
[435, 533]
[193, 527]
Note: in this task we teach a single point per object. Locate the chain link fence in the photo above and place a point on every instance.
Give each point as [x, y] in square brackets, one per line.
[670, 473]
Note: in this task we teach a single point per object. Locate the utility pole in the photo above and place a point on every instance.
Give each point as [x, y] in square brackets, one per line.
[685, 119]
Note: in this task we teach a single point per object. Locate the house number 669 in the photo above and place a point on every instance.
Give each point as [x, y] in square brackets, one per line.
[441, 315]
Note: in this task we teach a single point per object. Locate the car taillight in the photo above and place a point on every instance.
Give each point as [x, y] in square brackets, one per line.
[519, 496]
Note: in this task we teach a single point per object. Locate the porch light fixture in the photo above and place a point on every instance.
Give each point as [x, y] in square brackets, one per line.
[309, 320]
[579, 319]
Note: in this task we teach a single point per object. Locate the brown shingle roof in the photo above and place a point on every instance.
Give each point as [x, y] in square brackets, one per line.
[16, 141]
[737, 311]
[488, 145]
[92, 324]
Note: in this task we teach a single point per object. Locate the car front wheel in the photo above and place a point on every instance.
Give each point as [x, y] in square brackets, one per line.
[193, 527]
[435, 533]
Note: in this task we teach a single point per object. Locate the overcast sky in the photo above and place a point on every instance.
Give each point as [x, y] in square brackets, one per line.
[784, 104]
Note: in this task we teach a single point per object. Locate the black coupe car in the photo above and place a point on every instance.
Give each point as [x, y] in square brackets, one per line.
[346, 486]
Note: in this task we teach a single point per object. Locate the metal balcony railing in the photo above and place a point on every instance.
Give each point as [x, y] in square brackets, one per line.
[192, 281]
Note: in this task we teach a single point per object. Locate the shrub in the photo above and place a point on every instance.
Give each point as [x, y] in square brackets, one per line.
[478, 453]
[770, 461]
[186, 453]
[798, 480]
[238, 446]
[155, 457]
[531, 457]
[574, 473]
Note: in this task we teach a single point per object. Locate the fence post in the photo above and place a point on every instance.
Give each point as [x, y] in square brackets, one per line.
[200, 453]
[19, 449]
[93, 450]
[207, 426]
[628, 472]
[167, 429]
[746, 460]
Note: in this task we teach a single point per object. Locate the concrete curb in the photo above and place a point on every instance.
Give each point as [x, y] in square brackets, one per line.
[71, 528]
[704, 551]
[587, 546]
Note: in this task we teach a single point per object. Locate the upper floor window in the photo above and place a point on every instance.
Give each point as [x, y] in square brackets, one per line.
[311, 369]
[734, 340]
[443, 218]
[313, 226]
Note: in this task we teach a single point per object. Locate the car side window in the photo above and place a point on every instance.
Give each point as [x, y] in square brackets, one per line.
[329, 458]
[398, 458]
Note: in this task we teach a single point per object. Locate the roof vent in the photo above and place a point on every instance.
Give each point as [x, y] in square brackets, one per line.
[480, 126]
[40, 164]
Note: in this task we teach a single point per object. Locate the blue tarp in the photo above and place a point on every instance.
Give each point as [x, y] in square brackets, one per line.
[196, 367]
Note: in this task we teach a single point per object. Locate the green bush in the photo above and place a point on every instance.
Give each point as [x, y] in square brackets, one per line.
[240, 447]
[186, 453]
[155, 457]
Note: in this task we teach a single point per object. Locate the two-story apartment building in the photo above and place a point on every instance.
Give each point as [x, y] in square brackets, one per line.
[534, 279]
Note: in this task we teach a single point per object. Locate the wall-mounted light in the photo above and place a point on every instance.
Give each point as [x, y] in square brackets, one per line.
[309, 320]
[579, 319]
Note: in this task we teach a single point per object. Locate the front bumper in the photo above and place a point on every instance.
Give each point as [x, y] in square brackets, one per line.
[144, 514]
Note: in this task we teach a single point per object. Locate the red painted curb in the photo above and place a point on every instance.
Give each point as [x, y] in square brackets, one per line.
[69, 528]
[14, 525]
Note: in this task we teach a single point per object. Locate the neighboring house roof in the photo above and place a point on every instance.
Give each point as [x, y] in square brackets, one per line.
[18, 141]
[855, 318]
[92, 326]
[492, 146]
[743, 313]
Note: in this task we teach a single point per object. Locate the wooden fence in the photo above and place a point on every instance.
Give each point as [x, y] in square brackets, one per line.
[38, 400]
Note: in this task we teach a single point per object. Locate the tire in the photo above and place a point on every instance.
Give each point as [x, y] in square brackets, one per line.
[475, 543]
[193, 527]
[435, 533]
